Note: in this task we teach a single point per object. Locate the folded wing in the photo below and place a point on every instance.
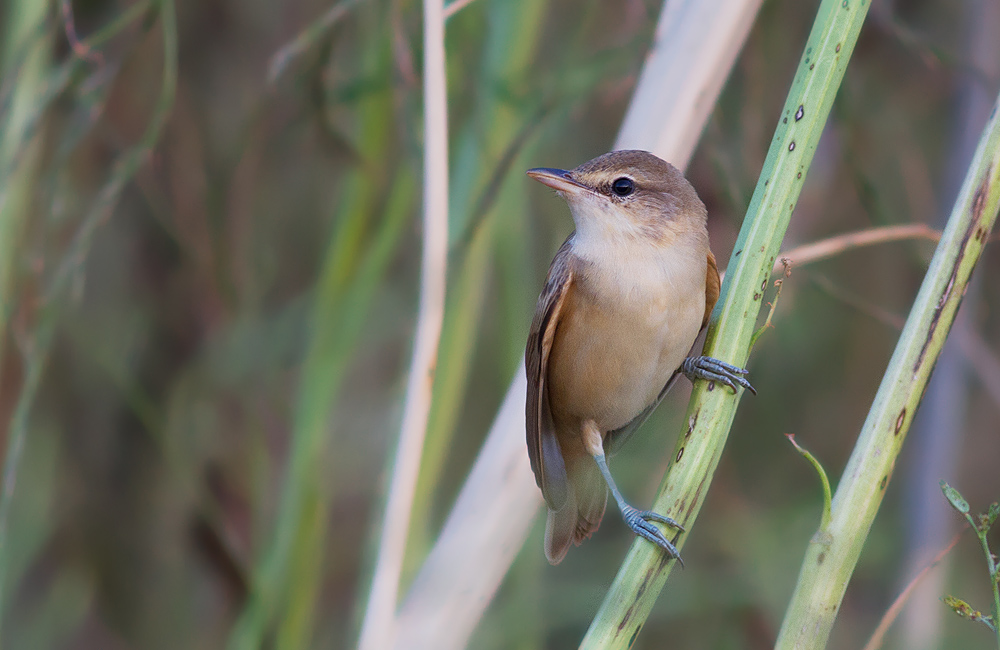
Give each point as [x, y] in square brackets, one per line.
[543, 449]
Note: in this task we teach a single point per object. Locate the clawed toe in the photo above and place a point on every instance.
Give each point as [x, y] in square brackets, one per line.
[663, 519]
[712, 369]
[637, 521]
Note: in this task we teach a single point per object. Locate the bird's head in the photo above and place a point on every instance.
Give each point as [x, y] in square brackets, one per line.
[627, 195]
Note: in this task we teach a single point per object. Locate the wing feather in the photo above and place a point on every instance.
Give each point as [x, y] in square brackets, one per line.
[543, 448]
[712, 288]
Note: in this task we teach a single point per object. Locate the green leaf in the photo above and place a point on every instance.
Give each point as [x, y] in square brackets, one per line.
[992, 515]
[827, 498]
[966, 611]
[955, 499]
[959, 606]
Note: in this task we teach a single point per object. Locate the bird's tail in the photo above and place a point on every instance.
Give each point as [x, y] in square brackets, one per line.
[581, 515]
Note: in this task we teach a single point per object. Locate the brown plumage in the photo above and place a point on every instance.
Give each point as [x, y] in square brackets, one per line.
[623, 303]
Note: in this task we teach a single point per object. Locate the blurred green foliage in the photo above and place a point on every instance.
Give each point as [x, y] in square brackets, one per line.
[220, 359]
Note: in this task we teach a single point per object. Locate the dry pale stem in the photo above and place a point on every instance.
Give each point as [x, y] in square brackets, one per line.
[378, 629]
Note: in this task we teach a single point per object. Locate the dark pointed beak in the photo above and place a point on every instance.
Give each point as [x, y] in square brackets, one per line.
[558, 179]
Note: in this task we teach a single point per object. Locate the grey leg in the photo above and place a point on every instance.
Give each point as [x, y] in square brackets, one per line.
[637, 519]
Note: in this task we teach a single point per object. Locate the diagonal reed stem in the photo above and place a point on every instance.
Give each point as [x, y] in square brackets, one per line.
[710, 412]
[834, 550]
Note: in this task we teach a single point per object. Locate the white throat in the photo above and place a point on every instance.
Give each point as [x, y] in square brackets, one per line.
[625, 263]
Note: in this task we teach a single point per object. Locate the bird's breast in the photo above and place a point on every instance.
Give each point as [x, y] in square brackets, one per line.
[625, 328]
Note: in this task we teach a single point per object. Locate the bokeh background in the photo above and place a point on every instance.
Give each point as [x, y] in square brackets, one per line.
[196, 271]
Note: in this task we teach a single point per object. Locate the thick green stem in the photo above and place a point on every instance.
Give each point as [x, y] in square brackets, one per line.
[834, 550]
[710, 412]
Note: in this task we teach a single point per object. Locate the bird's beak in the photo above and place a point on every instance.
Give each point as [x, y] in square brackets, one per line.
[558, 179]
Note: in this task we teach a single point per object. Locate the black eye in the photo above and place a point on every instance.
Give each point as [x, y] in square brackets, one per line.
[623, 186]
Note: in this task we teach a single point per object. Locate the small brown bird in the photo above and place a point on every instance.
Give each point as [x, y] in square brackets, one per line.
[623, 303]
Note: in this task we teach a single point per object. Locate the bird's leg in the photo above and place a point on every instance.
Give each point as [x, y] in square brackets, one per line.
[712, 369]
[635, 519]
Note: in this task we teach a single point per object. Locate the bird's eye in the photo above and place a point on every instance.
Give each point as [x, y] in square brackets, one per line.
[623, 186]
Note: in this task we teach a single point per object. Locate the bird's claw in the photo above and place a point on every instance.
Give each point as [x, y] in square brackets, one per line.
[637, 521]
[712, 369]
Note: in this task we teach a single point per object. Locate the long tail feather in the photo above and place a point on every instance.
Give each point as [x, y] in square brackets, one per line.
[581, 515]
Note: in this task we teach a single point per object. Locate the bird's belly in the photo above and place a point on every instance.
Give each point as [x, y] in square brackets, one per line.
[607, 365]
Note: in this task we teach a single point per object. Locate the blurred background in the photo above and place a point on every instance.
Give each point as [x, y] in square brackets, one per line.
[209, 261]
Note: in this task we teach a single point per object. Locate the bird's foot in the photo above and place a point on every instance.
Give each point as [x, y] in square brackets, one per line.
[714, 370]
[637, 521]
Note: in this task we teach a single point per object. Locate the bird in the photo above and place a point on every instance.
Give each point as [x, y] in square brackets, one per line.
[623, 303]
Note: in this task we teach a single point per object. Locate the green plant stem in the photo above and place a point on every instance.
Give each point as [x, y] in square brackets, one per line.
[35, 364]
[994, 580]
[57, 286]
[25, 63]
[120, 22]
[304, 580]
[128, 164]
[287, 574]
[306, 39]
[710, 412]
[982, 532]
[834, 550]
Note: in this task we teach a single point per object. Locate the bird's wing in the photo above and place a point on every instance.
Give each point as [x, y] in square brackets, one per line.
[615, 439]
[712, 288]
[543, 447]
